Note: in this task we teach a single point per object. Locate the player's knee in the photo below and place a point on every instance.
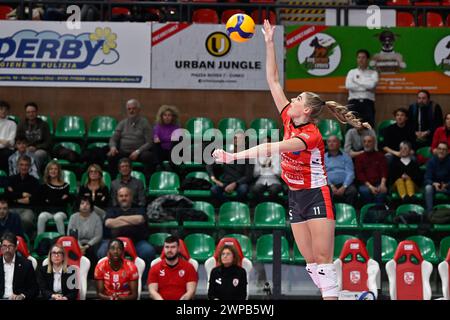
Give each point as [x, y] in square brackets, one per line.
[323, 257]
[326, 274]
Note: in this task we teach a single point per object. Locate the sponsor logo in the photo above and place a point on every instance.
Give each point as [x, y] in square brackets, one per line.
[408, 277]
[218, 44]
[355, 277]
[181, 273]
[235, 282]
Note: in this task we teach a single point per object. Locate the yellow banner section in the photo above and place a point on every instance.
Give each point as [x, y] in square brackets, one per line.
[395, 83]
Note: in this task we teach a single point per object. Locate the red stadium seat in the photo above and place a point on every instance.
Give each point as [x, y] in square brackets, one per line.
[183, 251]
[244, 262]
[408, 273]
[433, 20]
[444, 274]
[262, 1]
[445, 3]
[405, 19]
[355, 269]
[23, 249]
[255, 16]
[120, 11]
[426, 3]
[210, 1]
[205, 16]
[140, 263]
[447, 21]
[399, 3]
[4, 11]
[228, 13]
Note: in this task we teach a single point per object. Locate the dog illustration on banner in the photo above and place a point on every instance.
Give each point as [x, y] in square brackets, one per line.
[387, 60]
[320, 57]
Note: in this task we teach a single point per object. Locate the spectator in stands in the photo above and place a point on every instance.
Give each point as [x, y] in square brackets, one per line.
[126, 221]
[340, 173]
[371, 172]
[96, 189]
[87, 227]
[166, 126]
[55, 198]
[17, 277]
[21, 146]
[267, 173]
[37, 132]
[173, 278]
[236, 176]
[425, 116]
[228, 281]
[9, 221]
[396, 133]
[354, 140]
[442, 134]
[7, 135]
[361, 83]
[56, 281]
[437, 175]
[126, 180]
[404, 173]
[133, 139]
[22, 193]
[117, 277]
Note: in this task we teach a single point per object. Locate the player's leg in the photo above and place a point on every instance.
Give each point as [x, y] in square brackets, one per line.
[302, 238]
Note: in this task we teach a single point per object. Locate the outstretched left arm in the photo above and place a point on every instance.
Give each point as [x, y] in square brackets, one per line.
[264, 149]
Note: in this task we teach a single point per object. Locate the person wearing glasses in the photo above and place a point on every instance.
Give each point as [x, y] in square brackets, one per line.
[117, 277]
[17, 277]
[228, 281]
[96, 189]
[57, 281]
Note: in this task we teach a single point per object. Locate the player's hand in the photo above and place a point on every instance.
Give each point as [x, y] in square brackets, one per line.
[268, 31]
[223, 157]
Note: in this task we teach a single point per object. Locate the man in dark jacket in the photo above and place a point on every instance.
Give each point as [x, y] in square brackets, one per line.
[37, 133]
[9, 221]
[437, 176]
[17, 277]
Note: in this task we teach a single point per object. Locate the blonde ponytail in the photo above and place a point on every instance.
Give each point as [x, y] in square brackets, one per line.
[346, 116]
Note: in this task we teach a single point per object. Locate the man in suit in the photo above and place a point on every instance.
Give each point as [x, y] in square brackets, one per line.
[17, 277]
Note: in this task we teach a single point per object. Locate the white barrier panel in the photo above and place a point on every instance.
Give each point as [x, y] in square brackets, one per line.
[201, 56]
[113, 54]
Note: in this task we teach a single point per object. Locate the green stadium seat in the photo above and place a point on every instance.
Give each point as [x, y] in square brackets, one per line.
[427, 248]
[106, 179]
[14, 118]
[234, 215]
[330, 127]
[2, 174]
[339, 243]
[70, 178]
[444, 245]
[346, 216]
[245, 242]
[381, 126]
[263, 127]
[269, 215]
[388, 247]
[209, 210]
[49, 121]
[441, 227]
[264, 249]
[52, 236]
[229, 126]
[406, 208]
[373, 226]
[157, 239]
[200, 246]
[72, 146]
[102, 128]
[198, 126]
[93, 145]
[198, 193]
[162, 183]
[70, 128]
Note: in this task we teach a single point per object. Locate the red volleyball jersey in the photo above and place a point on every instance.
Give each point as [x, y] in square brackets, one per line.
[303, 169]
[116, 281]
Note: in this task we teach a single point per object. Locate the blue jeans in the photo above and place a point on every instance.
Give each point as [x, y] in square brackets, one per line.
[241, 190]
[144, 250]
[429, 196]
[368, 197]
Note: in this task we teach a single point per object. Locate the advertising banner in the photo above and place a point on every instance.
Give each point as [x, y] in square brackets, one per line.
[318, 58]
[96, 55]
[201, 56]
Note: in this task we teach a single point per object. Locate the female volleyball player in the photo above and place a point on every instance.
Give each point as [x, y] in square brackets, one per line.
[311, 210]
